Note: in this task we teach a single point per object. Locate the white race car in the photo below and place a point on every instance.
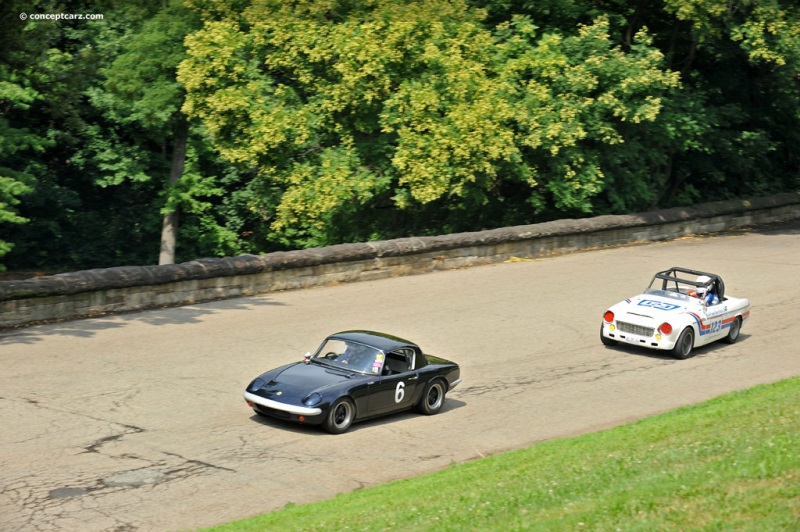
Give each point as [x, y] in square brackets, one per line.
[680, 310]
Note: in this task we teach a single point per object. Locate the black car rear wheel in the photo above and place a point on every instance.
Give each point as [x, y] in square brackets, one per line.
[432, 398]
[340, 416]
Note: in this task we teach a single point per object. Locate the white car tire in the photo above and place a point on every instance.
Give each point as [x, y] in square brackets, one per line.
[733, 333]
[685, 344]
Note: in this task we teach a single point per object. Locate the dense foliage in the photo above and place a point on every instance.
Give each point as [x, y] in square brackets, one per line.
[251, 126]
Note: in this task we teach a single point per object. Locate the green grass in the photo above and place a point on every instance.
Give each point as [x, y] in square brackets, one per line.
[732, 463]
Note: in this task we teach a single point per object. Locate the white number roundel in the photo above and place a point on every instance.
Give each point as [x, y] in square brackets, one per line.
[399, 392]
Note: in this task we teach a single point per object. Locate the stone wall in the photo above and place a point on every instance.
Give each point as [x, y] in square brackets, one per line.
[95, 292]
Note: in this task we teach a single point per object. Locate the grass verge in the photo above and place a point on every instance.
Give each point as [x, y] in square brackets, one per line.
[732, 463]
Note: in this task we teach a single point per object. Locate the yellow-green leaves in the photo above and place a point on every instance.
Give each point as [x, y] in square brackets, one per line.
[315, 191]
[299, 91]
[571, 96]
[340, 104]
[451, 118]
[771, 36]
[766, 30]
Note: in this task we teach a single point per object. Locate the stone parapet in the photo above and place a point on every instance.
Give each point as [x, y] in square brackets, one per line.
[95, 292]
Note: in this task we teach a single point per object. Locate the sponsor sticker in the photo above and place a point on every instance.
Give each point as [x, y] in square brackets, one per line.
[660, 305]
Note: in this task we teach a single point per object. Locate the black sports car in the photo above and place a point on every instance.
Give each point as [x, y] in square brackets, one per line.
[354, 375]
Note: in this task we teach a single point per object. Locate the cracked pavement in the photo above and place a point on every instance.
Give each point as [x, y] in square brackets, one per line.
[136, 421]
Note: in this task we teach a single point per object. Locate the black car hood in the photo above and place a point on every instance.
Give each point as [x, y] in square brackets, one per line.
[297, 380]
[312, 375]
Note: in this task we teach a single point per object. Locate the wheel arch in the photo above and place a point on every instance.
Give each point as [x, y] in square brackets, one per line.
[695, 333]
[419, 390]
[352, 400]
[692, 321]
[329, 401]
[420, 404]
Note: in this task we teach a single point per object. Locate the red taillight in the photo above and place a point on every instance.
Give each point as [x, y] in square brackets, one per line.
[665, 328]
[608, 316]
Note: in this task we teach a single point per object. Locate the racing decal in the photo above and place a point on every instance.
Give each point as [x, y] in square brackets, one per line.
[378, 364]
[399, 392]
[712, 326]
[716, 312]
[702, 328]
[660, 305]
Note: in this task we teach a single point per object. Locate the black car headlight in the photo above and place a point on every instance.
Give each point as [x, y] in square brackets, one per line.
[257, 384]
[312, 399]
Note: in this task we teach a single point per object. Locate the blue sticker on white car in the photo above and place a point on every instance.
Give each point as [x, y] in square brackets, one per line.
[660, 305]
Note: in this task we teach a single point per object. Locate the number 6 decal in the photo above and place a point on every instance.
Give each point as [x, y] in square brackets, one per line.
[399, 392]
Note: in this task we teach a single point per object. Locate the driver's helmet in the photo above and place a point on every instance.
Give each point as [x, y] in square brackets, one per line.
[706, 280]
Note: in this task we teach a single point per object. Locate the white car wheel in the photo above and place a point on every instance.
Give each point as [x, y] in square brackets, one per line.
[733, 333]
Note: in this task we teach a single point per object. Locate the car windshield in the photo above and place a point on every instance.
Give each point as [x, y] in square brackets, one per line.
[351, 356]
[673, 289]
[672, 294]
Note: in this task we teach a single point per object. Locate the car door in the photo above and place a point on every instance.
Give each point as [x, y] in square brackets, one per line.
[395, 388]
[712, 324]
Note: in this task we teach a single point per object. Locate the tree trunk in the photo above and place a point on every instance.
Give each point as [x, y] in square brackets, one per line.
[169, 229]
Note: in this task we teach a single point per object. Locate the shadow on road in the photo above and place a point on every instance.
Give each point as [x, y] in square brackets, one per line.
[662, 355]
[88, 327]
[792, 227]
[316, 430]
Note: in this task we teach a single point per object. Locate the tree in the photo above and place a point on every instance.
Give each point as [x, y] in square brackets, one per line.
[98, 180]
[20, 145]
[741, 60]
[312, 122]
[15, 143]
[141, 90]
[347, 110]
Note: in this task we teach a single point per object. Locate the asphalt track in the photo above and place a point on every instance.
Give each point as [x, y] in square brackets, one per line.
[136, 421]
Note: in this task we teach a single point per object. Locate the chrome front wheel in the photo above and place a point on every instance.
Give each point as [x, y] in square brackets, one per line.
[340, 416]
